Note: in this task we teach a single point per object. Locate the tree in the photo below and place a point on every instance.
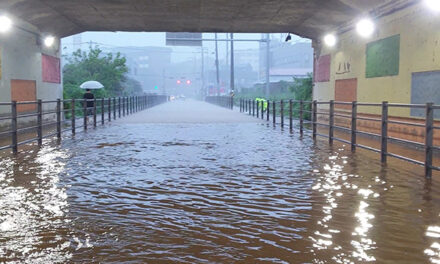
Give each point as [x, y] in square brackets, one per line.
[302, 89]
[107, 69]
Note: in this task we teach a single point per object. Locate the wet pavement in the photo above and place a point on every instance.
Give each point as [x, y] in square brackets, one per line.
[226, 191]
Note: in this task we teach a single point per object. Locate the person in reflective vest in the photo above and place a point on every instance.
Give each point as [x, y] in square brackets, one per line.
[261, 102]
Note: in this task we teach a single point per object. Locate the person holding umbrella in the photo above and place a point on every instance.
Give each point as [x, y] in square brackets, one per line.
[89, 97]
[89, 102]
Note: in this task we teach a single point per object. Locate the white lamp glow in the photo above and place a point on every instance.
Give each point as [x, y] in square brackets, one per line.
[49, 41]
[365, 27]
[330, 40]
[5, 24]
[433, 4]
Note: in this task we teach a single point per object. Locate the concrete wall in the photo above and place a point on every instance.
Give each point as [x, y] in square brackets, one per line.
[21, 58]
[419, 32]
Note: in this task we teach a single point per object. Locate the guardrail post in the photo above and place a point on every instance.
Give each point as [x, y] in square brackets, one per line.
[268, 111]
[73, 116]
[384, 134]
[119, 106]
[102, 111]
[85, 113]
[262, 110]
[282, 112]
[301, 118]
[114, 108]
[123, 106]
[429, 138]
[246, 105]
[250, 107]
[331, 122]
[353, 125]
[40, 122]
[59, 119]
[253, 107]
[274, 112]
[291, 115]
[94, 112]
[314, 118]
[258, 109]
[14, 127]
[109, 109]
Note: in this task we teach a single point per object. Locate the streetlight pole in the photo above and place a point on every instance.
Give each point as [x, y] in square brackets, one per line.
[267, 66]
[232, 65]
[203, 91]
[216, 65]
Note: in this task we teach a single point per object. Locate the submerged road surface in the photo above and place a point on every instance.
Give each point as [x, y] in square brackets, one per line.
[188, 182]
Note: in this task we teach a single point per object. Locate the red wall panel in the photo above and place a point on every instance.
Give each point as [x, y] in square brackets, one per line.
[24, 90]
[51, 69]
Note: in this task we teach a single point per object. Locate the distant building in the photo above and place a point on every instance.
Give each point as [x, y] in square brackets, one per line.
[147, 65]
[287, 60]
[248, 57]
[288, 74]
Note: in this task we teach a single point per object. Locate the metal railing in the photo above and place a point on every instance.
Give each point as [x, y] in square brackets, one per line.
[223, 101]
[53, 118]
[307, 112]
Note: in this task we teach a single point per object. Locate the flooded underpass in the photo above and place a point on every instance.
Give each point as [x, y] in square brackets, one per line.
[229, 190]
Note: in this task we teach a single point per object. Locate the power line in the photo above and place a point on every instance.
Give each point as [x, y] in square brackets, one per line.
[131, 47]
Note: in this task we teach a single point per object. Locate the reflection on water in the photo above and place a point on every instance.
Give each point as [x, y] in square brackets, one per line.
[33, 208]
[229, 193]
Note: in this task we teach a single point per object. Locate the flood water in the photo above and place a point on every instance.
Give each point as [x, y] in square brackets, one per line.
[213, 193]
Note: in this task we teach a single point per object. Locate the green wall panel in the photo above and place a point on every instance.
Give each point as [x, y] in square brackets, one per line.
[383, 57]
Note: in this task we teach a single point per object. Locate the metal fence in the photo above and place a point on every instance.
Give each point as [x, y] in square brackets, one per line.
[64, 115]
[307, 112]
[223, 101]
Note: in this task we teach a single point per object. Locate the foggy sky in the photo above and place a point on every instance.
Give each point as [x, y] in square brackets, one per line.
[142, 39]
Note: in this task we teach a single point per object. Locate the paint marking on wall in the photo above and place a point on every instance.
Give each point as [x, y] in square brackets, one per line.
[383, 57]
[51, 69]
[322, 68]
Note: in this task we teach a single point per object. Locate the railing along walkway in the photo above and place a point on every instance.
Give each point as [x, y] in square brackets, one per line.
[65, 116]
[307, 112]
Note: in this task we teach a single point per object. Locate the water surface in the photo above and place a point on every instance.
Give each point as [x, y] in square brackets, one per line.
[212, 193]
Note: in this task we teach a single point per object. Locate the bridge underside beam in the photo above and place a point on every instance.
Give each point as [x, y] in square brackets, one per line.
[307, 18]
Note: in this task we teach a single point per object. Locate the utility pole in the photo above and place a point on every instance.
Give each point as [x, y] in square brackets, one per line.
[216, 65]
[232, 82]
[203, 91]
[267, 65]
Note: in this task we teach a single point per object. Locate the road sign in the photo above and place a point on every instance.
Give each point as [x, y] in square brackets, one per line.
[183, 39]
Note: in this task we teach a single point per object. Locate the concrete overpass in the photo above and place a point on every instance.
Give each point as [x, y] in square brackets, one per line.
[307, 18]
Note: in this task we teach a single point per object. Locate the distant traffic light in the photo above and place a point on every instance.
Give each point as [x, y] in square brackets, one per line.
[188, 82]
[156, 87]
[179, 82]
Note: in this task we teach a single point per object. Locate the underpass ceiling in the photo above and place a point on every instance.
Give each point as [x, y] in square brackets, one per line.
[307, 18]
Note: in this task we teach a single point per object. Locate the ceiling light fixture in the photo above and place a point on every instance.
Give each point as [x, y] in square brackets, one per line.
[49, 41]
[365, 27]
[330, 40]
[433, 5]
[5, 24]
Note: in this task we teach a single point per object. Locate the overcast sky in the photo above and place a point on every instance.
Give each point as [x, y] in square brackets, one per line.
[139, 39]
